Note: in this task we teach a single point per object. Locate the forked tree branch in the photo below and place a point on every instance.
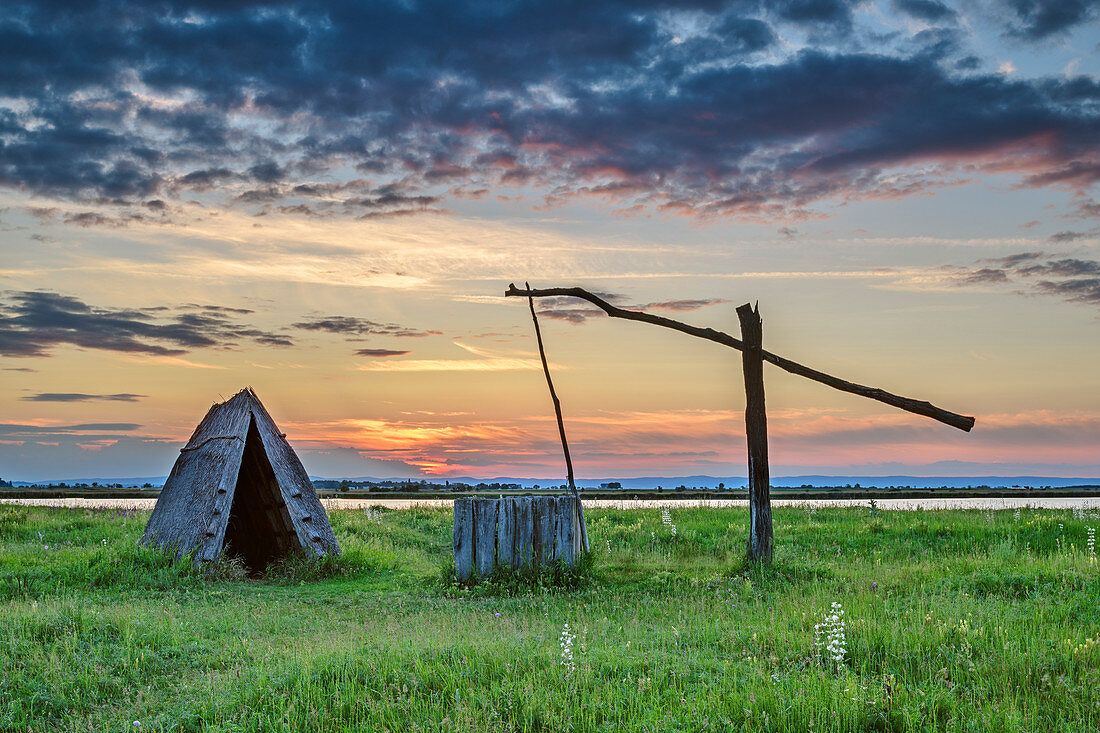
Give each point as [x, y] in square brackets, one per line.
[561, 424]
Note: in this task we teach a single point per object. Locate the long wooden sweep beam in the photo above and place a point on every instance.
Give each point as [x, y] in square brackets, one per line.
[920, 407]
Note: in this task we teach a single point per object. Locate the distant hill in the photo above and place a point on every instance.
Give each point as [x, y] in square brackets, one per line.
[710, 482]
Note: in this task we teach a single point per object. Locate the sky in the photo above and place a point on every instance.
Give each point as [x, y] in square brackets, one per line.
[327, 200]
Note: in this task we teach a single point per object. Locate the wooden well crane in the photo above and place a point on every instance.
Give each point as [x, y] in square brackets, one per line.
[753, 356]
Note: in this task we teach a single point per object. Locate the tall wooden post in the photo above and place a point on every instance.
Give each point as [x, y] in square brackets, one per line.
[756, 429]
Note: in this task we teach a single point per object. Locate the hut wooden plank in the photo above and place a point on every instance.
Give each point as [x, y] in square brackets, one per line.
[206, 469]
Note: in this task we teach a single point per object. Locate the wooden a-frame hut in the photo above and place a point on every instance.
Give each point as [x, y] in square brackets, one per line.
[238, 486]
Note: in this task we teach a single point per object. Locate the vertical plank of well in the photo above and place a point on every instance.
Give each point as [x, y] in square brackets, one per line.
[524, 528]
[580, 532]
[485, 519]
[463, 538]
[566, 510]
[547, 529]
[506, 523]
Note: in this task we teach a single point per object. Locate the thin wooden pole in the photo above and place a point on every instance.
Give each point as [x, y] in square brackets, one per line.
[561, 422]
[760, 543]
[920, 407]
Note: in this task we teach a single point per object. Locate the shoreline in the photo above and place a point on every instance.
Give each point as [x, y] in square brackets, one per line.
[926, 504]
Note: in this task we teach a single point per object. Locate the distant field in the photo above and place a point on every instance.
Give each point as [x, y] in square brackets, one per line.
[954, 620]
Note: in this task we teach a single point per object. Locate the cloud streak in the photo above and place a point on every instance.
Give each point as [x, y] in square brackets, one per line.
[354, 326]
[82, 397]
[33, 323]
[38, 432]
[381, 353]
[1037, 273]
[571, 311]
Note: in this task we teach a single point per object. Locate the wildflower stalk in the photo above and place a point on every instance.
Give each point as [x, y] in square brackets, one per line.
[565, 641]
[666, 519]
[830, 637]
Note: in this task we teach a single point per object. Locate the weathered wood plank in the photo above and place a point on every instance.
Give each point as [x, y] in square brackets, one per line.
[506, 531]
[582, 531]
[566, 511]
[485, 542]
[523, 544]
[463, 538]
[547, 528]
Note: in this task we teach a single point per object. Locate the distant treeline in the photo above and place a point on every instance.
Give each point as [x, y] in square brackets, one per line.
[426, 489]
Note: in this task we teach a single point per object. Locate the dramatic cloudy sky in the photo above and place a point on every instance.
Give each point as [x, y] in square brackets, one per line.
[326, 201]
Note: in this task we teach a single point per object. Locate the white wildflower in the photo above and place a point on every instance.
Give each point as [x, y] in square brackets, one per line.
[566, 642]
[666, 519]
[829, 635]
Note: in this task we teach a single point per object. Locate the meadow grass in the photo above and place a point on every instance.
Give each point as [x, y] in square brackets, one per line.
[954, 620]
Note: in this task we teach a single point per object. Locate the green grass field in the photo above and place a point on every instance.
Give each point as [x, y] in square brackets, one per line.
[959, 620]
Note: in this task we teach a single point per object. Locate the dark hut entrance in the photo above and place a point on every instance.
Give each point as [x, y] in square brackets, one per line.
[259, 529]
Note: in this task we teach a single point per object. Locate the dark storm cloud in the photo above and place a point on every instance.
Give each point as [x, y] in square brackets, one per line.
[82, 397]
[32, 323]
[1036, 273]
[680, 107]
[1039, 19]
[929, 10]
[354, 326]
